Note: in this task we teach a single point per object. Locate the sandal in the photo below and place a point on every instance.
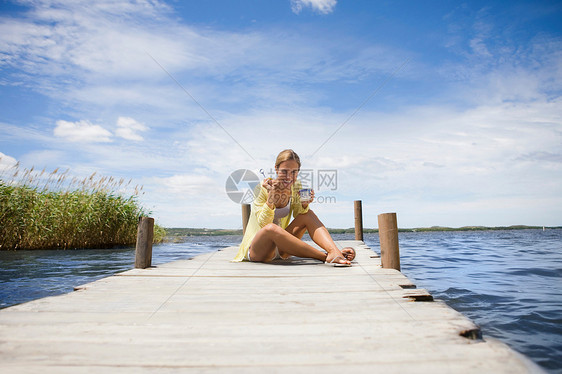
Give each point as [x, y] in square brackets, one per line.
[337, 264]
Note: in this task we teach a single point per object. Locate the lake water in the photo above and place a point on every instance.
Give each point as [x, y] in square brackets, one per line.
[508, 282]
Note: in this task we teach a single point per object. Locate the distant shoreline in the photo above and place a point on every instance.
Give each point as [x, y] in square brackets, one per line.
[182, 232]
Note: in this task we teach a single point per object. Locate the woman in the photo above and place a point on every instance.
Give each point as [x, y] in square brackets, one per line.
[271, 235]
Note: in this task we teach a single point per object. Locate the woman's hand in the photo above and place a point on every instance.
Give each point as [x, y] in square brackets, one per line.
[305, 204]
[276, 190]
[267, 184]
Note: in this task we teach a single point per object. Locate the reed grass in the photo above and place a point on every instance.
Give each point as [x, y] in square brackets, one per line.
[42, 210]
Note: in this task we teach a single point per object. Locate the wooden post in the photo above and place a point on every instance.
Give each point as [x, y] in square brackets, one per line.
[388, 237]
[145, 235]
[246, 209]
[358, 220]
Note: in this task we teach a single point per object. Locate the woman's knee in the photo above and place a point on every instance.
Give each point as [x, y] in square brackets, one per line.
[309, 215]
[272, 228]
[310, 212]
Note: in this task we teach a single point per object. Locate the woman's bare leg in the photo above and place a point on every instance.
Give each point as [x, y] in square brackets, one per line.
[318, 233]
[271, 236]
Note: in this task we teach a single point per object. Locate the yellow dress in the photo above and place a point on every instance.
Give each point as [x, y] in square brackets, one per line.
[261, 214]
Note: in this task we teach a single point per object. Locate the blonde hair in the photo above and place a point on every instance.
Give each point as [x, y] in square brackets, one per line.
[286, 155]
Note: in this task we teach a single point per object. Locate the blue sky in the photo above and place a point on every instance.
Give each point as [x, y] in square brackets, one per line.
[448, 113]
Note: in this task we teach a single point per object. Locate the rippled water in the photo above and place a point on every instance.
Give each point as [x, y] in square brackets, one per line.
[508, 282]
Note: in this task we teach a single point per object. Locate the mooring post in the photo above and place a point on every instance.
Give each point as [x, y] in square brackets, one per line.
[388, 237]
[358, 220]
[145, 235]
[246, 209]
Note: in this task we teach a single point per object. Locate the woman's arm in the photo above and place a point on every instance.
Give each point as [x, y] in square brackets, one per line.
[298, 206]
[264, 213]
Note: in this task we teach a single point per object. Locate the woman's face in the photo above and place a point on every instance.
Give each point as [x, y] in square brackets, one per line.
[287, 172]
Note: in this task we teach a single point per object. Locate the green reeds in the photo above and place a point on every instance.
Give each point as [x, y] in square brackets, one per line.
[41, 210]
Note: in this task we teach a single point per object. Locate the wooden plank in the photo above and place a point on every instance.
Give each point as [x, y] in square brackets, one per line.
[210, 314]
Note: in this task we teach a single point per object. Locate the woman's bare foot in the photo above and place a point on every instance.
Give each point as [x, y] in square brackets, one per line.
[348, 253]
[336, 257]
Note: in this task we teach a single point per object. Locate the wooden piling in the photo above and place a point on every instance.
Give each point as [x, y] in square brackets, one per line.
[246, 209]
[358, 220]
[388, 237]
[145, 235]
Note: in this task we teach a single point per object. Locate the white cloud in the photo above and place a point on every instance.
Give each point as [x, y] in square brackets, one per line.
[7, 162]
[128, 128]
[321, 6]
[93, 55]
[47, 157]
[508, 151]
[95, 46]
[97, 39]
[192, 185]
[479, 48]
[82, 131]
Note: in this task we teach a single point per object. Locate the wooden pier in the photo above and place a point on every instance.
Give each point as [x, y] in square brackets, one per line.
[208, 314]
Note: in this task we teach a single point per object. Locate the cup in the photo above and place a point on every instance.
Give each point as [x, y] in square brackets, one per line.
[305, 195]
